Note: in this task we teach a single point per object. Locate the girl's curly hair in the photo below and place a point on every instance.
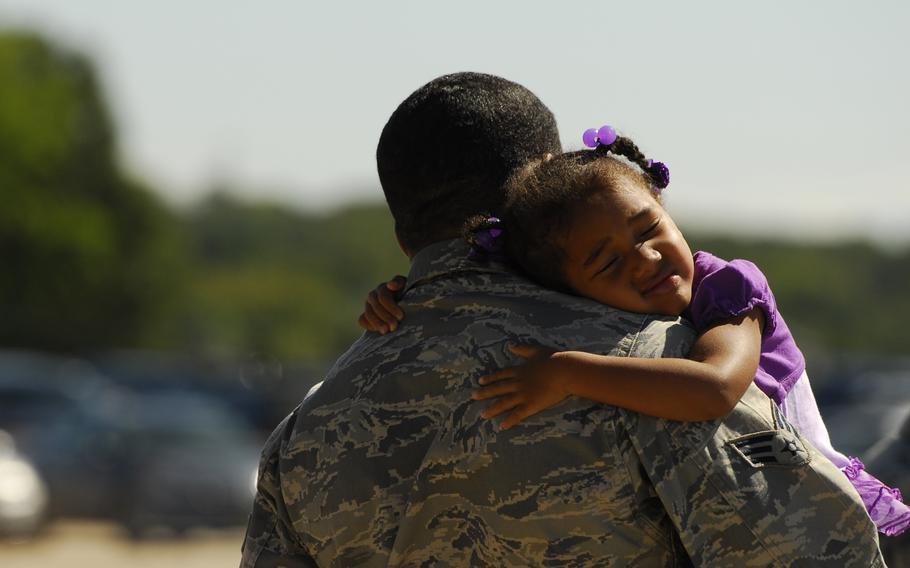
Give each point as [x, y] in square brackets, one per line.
[542, 196]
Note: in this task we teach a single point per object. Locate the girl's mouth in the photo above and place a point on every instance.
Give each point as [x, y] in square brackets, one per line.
[665, 284]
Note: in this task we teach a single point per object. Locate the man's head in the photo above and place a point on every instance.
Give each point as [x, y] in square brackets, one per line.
[449, 148]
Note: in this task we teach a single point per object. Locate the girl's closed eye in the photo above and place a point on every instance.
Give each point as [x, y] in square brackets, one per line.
[651, 229]
[613, 262]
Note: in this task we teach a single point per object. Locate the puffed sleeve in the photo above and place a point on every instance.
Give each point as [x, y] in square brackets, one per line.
[726, 290]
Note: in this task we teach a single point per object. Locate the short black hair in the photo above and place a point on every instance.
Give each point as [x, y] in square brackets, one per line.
[448, 149]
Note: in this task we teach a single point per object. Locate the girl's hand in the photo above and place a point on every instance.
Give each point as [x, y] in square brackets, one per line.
[527, 389]
[381, 312]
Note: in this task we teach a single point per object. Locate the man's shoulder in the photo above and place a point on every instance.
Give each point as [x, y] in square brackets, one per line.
[446, 282]
[519, 309]
[497, 289]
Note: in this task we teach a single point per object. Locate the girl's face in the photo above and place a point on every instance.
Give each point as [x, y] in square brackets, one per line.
[624, 250]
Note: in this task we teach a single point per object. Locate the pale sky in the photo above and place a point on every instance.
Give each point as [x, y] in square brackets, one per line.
[776, 118]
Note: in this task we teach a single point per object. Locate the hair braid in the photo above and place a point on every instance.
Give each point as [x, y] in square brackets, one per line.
[626, 148]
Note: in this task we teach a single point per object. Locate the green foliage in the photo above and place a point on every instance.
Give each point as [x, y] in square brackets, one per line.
[836, 298]
[273, 283]
[92, 260]
[85, 250]
[276, 283]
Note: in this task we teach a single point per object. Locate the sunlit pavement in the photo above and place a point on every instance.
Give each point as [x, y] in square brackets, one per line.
[102, 545]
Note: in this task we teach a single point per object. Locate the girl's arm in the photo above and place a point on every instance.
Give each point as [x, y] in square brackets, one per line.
[705, 386]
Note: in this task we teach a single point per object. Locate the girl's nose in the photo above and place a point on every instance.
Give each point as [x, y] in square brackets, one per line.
[648, 257]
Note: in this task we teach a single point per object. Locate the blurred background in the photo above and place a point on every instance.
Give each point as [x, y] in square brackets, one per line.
[191, 219]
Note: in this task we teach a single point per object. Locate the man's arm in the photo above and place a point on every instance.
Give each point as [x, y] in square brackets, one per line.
[745, 490]
[269, 541]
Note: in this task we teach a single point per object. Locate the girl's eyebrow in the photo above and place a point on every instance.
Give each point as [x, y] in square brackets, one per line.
[645, 211]
[599, 247]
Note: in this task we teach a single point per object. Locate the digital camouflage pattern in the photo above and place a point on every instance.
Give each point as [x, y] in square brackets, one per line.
[749, 491]
[389, 463]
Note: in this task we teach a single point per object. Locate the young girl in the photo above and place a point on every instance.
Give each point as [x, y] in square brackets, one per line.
[591, 223]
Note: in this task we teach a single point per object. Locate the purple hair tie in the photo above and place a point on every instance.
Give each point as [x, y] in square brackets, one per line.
[660, 173]
[606, 136]
[603, 136]
[486, 242]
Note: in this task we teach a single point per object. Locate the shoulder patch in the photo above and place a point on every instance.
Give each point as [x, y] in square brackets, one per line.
[771, 448]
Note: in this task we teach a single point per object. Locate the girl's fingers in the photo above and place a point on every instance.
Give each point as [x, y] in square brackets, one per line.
[362, 322]
[500, 406]
[373, 323]
[491, 391]
[397, 283]
[388, 301]
[507, 373]
[525, 351]
[516, 416]
[379, 311]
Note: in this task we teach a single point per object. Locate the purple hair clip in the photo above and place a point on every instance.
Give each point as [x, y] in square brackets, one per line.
[660, 173]
[485, 242]
[603, 136]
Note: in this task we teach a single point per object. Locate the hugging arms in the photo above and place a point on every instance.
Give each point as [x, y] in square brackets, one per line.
[389, 462]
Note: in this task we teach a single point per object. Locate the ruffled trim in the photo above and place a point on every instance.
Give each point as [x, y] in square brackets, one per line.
[885, 504]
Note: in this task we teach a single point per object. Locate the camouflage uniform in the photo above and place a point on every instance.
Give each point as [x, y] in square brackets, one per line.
[389, 463]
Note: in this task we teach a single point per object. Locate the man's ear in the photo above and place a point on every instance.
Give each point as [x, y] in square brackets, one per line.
[404, 248]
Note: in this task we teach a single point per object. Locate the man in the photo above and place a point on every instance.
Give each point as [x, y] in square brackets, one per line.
[390, 463]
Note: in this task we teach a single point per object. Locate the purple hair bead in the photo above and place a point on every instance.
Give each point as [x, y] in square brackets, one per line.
[486, 241]
[590, 138]
[606, 135]
[603, 136]
[660, 173]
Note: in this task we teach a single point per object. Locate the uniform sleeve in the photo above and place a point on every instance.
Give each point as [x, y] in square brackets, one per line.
[733, 487]
[270, 540]
[662, 336]
[728, 290]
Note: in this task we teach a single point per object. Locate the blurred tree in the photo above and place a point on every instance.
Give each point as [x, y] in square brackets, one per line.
[273, 283]
[90, 257]
[837, 298]
[91, 260]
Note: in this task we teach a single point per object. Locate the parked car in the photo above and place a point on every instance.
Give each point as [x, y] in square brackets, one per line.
[148, 372]
[172, 459]
[169, 456]
[79, 452]
[862, 405]
[23, 495]
[188, 462]
[67, 427]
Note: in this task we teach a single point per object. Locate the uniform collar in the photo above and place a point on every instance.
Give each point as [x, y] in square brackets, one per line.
[445, 258]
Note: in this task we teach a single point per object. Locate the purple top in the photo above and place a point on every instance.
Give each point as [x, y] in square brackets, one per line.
[724, 290]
